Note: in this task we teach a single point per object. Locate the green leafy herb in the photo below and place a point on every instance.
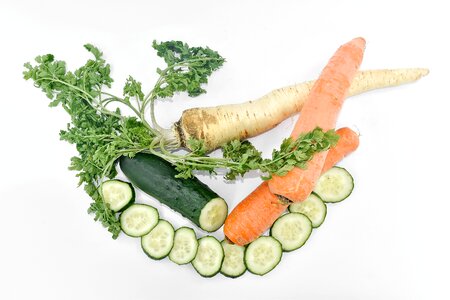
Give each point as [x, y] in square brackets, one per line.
[188, 68]
[292, 153]
[240, 157]
[102, 135]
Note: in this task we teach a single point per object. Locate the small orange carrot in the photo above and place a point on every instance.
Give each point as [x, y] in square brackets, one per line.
[321, 109]
[257, 212]
[348, 142]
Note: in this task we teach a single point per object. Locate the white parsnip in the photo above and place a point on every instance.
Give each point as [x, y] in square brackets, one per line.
[220, 124]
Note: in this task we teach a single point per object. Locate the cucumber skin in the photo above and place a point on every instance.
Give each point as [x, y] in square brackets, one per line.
[233, 277]
[156, 177]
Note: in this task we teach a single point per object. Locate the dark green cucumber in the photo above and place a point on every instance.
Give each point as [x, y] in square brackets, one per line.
[190, 197]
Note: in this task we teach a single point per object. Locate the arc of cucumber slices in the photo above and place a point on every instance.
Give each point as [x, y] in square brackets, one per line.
[207, 255]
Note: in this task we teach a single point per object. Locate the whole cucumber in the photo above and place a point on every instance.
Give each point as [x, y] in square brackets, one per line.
[190, 197]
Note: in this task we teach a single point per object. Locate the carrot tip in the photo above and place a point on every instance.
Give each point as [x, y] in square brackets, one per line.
[359, 42]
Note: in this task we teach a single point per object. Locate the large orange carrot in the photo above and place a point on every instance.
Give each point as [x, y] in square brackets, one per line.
[253, 215]
[321, 109]
[257, 212]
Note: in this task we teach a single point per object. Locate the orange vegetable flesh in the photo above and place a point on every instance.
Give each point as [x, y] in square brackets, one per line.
[257, 212]
[321, 109]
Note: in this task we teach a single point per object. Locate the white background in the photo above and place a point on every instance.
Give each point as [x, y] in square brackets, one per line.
[389, 240]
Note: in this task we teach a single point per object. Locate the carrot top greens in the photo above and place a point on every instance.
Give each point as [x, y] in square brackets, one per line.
[101, 135]
[240, 157]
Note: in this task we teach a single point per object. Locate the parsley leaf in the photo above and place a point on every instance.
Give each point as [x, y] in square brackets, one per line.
[292, 153]
[188, 68]
[240, 157]
[100, 136]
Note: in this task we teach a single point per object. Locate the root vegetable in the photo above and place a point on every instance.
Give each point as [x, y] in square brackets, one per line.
[257, 212]
[321, 109]
[221, 124]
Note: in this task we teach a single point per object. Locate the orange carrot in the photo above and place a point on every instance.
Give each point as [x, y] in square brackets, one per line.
[257, 212]
[321, 109]
[253, 215]
[348, 142]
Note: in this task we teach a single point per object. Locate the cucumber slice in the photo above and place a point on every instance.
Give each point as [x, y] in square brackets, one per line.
[263, 255]
[292, 230]
[334, 185]
[118, 194]
[158, 242]
[209, 256]
[233, 264]
[138, 220]
[313, 207]
[185, 246]
[213, 215]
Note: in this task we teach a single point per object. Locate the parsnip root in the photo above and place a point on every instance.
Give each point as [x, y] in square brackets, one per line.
[221, 124]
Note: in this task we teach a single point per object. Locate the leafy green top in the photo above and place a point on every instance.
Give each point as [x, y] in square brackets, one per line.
[101, 135]
[240, 157]
[189, 68]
